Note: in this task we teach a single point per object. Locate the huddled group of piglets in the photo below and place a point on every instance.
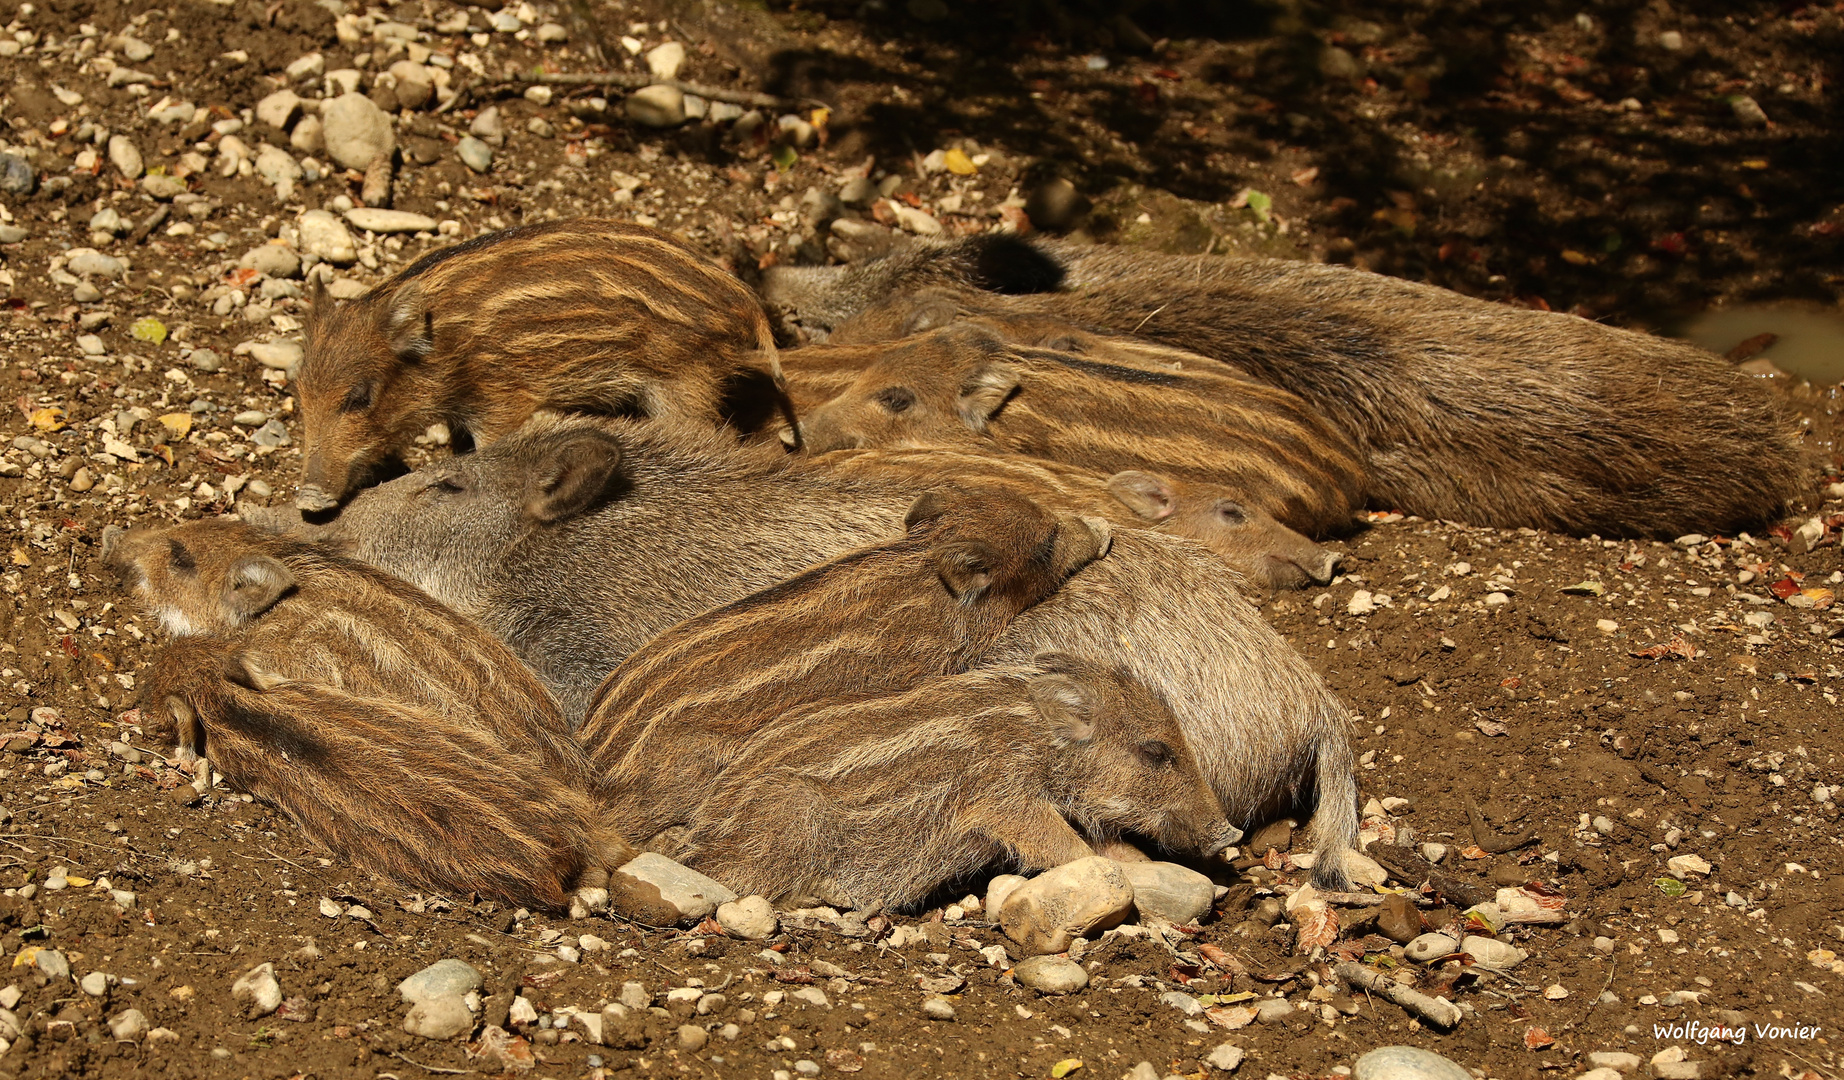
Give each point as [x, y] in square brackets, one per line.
[954, 586]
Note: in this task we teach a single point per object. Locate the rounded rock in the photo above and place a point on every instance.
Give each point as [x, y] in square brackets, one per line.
[356, 131]
[444, 978]
[415, 85]
[1050, 974]
[1406, 1063]
[1168, 892]
[273, 261]
[17, 177]
[125, 156]
[475, 154]
[372, 219]
[692, 1038]
[751, 918]
[258, 991]
[1055, 205]
[1430, 947]
[279, 109]
[1493, 954]
[439, 1018]
[657, 106]
[129, 1026]
[938, 1009]
[1047, 913]
[324, 236]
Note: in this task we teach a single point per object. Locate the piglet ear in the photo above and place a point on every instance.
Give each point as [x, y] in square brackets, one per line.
[409, 325]
[254, 585]
[986, 391]
[581, 474]
[1068, 704]
[177, 725]
[966, 568]
[1151, 497]
[248, 672]
[925, 511]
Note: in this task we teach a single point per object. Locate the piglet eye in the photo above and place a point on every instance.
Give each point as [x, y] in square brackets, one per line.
[1231, 513]
[1156, 752]
[359, 397]
[896, 399]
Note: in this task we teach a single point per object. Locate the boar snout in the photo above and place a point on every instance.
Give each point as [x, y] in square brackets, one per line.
[313, 499]
[1227, 836]
[111, 536]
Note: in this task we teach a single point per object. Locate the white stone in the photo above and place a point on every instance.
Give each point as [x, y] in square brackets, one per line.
[279, 109]
[1406, 1063]
[325, 236]
[751, 918]
[1361, 603]
[1493, 954]
[280, 355]
[665, 60]
[276, 165]
[444, 978]
[125, 156]
[1168, 892]
[1430, 947]
[999, 888]
[1075, 900]
[686, 891]
[129, 1026]
[1050, 974]
[258, 990]
[1684, 865]
[439, 1018]
[1225, 1058]
[1618, 1060]
[355, 131]
[372, 219]
[656, 106]
[415, 84]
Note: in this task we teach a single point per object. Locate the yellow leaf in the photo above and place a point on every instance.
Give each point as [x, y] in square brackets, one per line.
[20, 559]
[50, 418]
[27, 955]
[77, 882]
[1754, 163]
[819, 116]
[958, 162]
[1065, 1067]
[1576, 258]
[149, 329]
[178, 423]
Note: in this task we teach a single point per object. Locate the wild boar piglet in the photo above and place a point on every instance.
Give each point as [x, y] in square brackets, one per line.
[877, 804]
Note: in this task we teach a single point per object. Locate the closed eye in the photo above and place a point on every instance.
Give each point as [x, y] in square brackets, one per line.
[1156, 753]
[1231, 513]
[896, 399]
[359, 397]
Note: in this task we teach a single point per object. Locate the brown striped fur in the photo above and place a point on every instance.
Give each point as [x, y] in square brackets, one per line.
[876, 804]
[401, 790]
[578, 540]
[965, 386]
[874, 621]
[587, 315]
[1461, 408]
[1245, 537]
[308, 614]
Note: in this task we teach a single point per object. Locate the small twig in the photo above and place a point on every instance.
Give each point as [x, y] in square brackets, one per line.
[1436, 1012]
[1536, 918]
[431, 1068]
[1612, 963]
[629, 81]
[1149, 316]
[1355, 899]
[154, 221]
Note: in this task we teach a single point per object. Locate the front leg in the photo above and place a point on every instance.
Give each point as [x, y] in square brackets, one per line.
[1040, 837]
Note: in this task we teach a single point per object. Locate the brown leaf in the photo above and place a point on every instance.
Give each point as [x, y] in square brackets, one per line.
[1231, 1017]
[848, 1061]
[1535, 1038]
[1315, 926]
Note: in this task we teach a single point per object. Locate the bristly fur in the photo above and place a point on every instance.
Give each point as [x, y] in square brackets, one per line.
[585, 315]
[1462, 409]
[1245, 537]
[874, 804]
[685, 525]
[872, 621]
[966, 386]
[401, 790]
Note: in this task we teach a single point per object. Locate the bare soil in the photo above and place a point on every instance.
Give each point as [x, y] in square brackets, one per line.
[1539, 154]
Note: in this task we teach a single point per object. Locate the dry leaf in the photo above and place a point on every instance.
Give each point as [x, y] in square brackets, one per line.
[1231, 1017]
[179, 423]
[1536, 1038]
[1315, 926]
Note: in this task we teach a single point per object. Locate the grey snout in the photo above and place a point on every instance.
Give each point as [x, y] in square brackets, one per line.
[1226, 837]
[313, 499]
[110, 535]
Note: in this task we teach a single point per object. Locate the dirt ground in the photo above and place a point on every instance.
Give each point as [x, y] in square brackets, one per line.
[1624, 704]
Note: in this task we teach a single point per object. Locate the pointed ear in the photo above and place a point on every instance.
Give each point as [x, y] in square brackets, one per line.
[246, 671]
[1067, 703]
[965, 567]
[929, 315]
[578, 477]
[986, 391]
[318, 305]
[185, 733]
[926, 510]
[1149, 496]
[253, 586]
[408, 323]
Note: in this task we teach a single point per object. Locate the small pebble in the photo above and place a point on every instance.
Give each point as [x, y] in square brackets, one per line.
[938, 1009]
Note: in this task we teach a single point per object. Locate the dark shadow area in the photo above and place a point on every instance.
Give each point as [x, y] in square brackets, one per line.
[1615, 158]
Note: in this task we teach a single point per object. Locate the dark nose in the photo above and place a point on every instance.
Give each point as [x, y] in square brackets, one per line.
[1227, 836]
